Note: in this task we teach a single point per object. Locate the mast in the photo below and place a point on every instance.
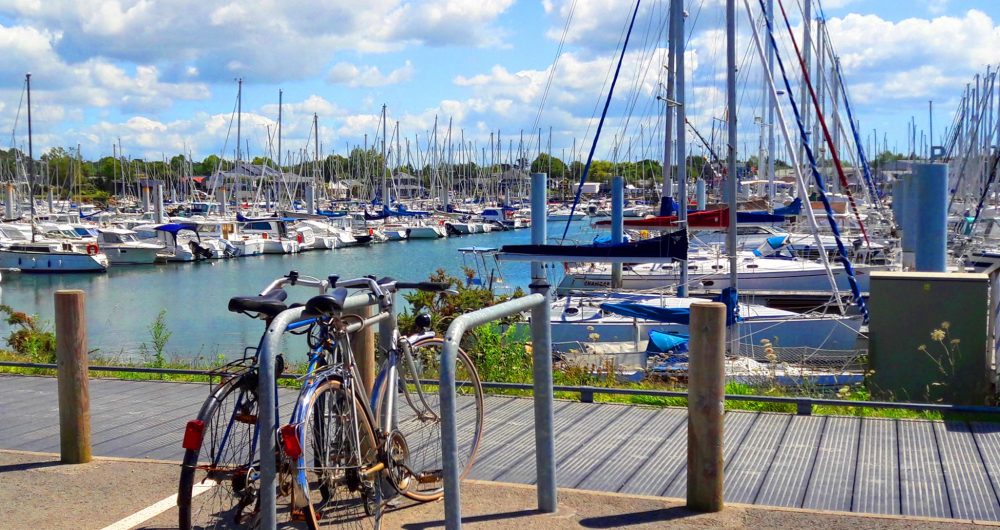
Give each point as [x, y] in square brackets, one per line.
[31, 161]
[239, 115]
[668, 133]
[771, 191]
[731, 182]
[807, 53]
[681, 138]
[280, 94]
[385, 168]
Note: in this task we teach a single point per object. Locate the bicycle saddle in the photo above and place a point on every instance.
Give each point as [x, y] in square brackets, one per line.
[327, 304]
[270, 304]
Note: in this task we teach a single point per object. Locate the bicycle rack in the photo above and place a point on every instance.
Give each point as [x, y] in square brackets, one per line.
[541, 337]
[266, 391]
[541, 340]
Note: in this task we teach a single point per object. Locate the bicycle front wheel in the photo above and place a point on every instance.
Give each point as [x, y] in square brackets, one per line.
[418, 419]
[338, 476]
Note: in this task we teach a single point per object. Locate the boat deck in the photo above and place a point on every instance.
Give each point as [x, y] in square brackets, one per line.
[907, 467]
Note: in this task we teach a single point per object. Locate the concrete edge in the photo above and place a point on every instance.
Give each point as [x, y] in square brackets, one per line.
[95, 458]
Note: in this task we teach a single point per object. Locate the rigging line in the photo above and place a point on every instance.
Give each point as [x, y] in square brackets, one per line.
[820, 186]
[600, 124]
[826, 131]
[17, 116]
[645, 59]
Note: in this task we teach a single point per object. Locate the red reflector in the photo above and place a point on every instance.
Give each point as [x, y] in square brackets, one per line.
[193, 434]
[290, 441]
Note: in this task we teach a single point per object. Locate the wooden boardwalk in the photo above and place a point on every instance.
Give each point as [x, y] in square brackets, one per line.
[907, 467]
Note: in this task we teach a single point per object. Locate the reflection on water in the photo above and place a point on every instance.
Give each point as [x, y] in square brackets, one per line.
[124, 302]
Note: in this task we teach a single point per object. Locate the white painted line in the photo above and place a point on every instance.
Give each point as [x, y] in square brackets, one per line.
[146, 514]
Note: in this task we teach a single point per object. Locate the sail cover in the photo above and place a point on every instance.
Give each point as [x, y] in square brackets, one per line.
[673, 315]
[664, 248]
[697, 219]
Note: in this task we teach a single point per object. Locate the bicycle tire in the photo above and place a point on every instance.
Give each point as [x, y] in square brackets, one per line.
[332, 484]
[224, 457]
[422, 431]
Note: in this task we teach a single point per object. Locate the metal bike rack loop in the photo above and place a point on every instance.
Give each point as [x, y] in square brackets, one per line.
[544, 441]
[541, 340]
[266, 391]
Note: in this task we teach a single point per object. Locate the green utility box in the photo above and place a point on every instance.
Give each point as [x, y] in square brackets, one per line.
[913, 362]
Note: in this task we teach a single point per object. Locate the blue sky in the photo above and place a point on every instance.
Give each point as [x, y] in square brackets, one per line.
[160, 75]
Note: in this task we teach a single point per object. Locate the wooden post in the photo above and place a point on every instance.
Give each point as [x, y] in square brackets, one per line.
[706, 400]
[74, 394]
[363, 346]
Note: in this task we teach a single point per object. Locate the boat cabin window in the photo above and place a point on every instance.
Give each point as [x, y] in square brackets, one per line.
[112, 237]
[259, 225]
[750, 230]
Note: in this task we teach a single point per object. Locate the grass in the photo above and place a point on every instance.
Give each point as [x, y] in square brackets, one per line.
[500, 355]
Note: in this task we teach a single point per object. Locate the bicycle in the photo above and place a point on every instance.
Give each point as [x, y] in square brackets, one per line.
[349, 453]
[223, 473]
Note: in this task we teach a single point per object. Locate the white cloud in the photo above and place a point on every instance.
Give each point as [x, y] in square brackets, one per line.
[369, 76]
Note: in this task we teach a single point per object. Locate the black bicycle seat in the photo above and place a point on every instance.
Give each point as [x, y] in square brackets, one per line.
[270, 304]
[327, 304]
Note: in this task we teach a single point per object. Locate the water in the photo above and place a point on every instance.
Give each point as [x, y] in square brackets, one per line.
[123, 303]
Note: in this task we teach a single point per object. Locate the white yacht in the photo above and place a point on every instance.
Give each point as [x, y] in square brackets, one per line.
[123, 247]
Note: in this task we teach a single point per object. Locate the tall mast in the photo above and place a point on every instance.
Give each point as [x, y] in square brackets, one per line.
[31, 161]
[668, 133]
[770, 110]
[385, 168]
[731, 182]
[807, 53]
[681, 138]
[280, 94]
[239, 115]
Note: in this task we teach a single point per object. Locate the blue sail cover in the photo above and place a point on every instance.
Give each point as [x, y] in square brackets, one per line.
[672, 315]
[663, 248]
[331, 213]
[793, 208]
[173, 228]
[758, 218]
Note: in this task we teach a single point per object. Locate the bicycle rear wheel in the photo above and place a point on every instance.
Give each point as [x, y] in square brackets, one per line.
[418, 419]
[218, 485]
[337, 479]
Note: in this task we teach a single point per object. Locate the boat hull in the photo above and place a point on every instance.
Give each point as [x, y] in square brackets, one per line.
[55, 262]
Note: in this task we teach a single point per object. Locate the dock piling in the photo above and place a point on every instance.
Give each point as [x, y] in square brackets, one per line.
[706, 406]
[74, 393]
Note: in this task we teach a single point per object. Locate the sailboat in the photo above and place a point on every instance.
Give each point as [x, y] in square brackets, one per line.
[44, 255]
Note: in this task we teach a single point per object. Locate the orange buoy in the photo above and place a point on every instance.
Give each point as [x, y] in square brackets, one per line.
[93, 249]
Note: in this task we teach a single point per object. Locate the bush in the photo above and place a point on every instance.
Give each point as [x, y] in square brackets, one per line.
[29, 337]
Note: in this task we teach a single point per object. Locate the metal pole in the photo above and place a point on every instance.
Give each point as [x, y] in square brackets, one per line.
[770, 110]
[541, 339]
[667, 189]
[732, 184]
[682, 200]
[617, 224]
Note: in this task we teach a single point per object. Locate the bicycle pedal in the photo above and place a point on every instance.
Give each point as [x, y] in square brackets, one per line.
[427, 478]
[250, 419]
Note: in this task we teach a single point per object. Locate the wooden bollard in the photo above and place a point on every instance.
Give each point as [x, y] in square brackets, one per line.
[74, 394]
[363, 346]
[706, 403]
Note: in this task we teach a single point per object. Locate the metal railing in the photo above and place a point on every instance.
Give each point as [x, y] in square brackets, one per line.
[804, 404]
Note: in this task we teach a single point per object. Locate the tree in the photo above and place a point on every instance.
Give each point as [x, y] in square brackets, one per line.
[545, 163]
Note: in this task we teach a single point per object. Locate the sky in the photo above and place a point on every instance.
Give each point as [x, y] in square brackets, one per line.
[160, 76]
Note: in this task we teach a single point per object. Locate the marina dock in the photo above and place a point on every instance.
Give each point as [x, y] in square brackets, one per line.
[940, 469]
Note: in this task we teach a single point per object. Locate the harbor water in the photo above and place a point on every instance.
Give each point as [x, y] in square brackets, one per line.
[124, 302]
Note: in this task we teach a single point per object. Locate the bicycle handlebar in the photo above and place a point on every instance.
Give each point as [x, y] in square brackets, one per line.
[379, 288]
